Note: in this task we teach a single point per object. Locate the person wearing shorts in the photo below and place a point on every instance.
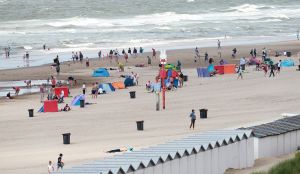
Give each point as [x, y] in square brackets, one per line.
[278, 67]
[60, 163]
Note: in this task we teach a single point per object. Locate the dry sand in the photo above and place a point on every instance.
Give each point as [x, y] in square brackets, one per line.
[27, 144]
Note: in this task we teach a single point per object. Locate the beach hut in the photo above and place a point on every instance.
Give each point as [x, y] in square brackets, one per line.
[100, 72]
[203, 153]
[276, 138]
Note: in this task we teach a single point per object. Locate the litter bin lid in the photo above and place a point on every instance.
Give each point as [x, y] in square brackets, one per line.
[66, 134]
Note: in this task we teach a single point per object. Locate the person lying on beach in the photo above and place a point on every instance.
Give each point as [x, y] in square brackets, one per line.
[122, 149]
[66, 108]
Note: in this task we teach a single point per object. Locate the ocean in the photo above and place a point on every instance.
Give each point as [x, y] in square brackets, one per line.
[90, 25]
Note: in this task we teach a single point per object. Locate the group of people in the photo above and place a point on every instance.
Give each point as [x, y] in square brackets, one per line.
[96, 90]
[197, 55]
[59, 165]
[77, 56]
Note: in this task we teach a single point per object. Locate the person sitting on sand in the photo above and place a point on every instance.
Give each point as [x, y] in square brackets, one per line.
[122, 149]
[66, 108]
[100, 91]
[17, 90]
[148, 86]
[8, 96]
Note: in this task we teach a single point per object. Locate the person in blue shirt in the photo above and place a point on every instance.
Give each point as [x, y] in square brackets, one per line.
[193, 119]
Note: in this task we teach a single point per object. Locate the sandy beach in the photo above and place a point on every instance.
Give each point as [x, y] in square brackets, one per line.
[27, 144]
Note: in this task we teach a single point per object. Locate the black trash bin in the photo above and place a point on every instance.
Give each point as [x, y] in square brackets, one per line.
[132, 94]
[185, 78]
[203, 113]
[82, 103]
[140, 125]
[30, 111]
[66, 138]
[288, 54]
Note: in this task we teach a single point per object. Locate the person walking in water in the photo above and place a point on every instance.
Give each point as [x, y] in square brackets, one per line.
[193, 119]
[298, 35]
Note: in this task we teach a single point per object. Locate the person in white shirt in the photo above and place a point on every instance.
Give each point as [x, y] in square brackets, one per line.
[278, 66]
[100, 91]
[50, 167]
[83, 88]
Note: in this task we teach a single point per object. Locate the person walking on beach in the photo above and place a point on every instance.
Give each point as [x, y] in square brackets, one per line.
[76, 56]
[60, 163]
[42, 91]
[99, 54]
[141, 50]
[129, 50]
[27, 55]
[153, 53]
[234, 51]
[298, 35]
[134, 52]
[87, 62]
[73, 57]
[265, 68]
[272, 68]
[240, 72]
[278, 66]
[149, 60]
[193, 119]
[219, 44]
[50, 167]
[197, 52]
[181, 76]
[80, 56]
[126, 57]
[83, 88]
[206, 57]
[44, 46]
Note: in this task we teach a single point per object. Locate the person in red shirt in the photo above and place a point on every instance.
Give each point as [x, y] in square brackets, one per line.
[17, 90]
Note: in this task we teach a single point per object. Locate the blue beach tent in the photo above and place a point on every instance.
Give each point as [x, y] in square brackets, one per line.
[100, 72]
[128, 82]
[76, 100]
[287, 63]
[107, 87]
